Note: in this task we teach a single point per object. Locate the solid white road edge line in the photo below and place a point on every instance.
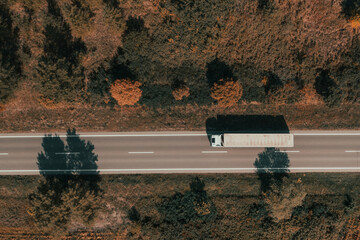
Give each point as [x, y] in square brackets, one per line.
[178, 135]
[116, 135]
[3, 154]
[140, 152]
[326, 134]
[185, 169]
[352, 151]
[213, 151]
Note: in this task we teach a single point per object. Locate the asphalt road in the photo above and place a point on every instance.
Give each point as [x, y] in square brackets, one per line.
[178, 152]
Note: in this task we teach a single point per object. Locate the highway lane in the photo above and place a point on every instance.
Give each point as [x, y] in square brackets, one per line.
[186, 152]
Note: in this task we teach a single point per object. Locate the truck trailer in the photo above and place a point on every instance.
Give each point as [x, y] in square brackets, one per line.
[252, 140]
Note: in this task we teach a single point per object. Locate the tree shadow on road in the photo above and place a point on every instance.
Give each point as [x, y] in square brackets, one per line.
[70, 188]
[271, 167]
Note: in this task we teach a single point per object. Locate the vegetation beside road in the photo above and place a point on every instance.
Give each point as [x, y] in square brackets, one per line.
[175, 118]
[169, 58]
[133, 206]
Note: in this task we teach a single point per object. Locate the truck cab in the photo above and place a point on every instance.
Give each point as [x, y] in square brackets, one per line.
[216, 141]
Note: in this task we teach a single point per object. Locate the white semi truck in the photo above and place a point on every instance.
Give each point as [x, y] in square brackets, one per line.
[252, 140]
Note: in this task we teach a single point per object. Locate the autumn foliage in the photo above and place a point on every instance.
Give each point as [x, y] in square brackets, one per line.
[355, 21]
[180, 93]
[227, 92]
[126, 92]
[69, 48]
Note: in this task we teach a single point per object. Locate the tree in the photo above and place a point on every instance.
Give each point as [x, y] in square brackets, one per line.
[10, 66]
[79, 16]
[59, 75]
[197, 186]
[282, 199]
[194, 204]
[56, 204]
[59, 81]
[350, 8]
[272, 166]
[47, 207]
[8, 78]
[181, 92]
[190, 31]
[126, 92]
[115, 19]
[71, 193]
[227, 92]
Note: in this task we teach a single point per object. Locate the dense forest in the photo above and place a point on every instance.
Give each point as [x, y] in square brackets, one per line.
[161, 52]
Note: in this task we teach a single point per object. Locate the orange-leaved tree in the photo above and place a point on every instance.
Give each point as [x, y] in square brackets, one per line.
[355, 21]
[181, 92]
[126, 91]
[227, 92]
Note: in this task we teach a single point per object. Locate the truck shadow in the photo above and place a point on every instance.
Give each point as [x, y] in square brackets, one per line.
[246, 124]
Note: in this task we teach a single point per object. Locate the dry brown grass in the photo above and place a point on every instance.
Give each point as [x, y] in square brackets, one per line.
[308, 96]
[176, 118]
[352, 229]
[25, 98]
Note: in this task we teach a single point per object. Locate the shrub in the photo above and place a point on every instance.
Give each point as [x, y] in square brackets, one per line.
[59, 81]
[180, 93]
[126, 92]
[191, 206]
[308, 95]
[287, 94]
[355, 21]
[282, 199]
[227, 92]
